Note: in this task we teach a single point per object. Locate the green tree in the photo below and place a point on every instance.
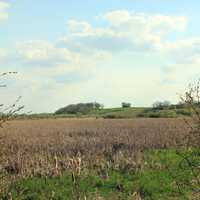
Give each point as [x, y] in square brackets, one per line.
[126, 105]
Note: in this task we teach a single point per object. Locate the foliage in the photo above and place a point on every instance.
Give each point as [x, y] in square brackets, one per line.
[190, 154]
[183, 112]
[126, 105]
[117, 113]
[152, 113]
[83, 108]
[161, 105]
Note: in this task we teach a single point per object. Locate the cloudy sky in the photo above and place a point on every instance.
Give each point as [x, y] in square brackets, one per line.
[107, 51]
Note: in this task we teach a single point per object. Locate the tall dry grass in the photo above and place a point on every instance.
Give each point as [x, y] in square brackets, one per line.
[28, 147]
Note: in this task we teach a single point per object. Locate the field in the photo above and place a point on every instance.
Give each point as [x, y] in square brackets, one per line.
[90, 138]
[93, 159]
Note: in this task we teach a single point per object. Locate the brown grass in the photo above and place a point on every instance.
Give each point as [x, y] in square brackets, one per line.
[29, 147]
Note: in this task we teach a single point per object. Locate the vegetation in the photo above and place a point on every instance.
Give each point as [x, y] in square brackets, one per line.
[136, 159]
[161, 105]
[119, 158]
[155, 180]
[81, 108]
[7, 113]
[126, 105]
[159, 110]
[115, 113]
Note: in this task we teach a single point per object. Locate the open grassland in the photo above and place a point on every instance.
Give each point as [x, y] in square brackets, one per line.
[93, 159]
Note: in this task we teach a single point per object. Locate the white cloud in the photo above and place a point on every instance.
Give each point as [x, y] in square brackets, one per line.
[116, 18]
[3, 10]
[41, 53]
[78, 26]
[126, 31]
[156, 22]
[183, 59]
[50, 60]
[184, 50]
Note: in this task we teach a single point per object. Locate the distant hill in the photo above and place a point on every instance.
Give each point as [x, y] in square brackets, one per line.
[96, 110]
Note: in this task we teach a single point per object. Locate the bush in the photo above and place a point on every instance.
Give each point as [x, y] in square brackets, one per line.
[150, 113]
[183, 112]
[112, 116]
[126, 105]
[168, 114]
[158, 105]
[154, 115]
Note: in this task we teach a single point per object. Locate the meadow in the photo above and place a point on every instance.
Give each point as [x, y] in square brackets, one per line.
[95, 159]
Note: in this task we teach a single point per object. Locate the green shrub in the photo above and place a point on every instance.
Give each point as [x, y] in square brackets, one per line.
[150, 113]
[112, 116]
[183, 112]
[80, 108]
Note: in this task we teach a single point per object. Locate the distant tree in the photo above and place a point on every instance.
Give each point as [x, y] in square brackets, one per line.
[97, 105]
[166, 104]
[80, 108]
[180, 105]
[126, 105]
[161, 105]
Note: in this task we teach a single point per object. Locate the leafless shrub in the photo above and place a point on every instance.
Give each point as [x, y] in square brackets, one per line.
[190, 152]
[7, 113]
[191, 100]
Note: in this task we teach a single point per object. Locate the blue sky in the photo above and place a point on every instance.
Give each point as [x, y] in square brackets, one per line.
[96, 50]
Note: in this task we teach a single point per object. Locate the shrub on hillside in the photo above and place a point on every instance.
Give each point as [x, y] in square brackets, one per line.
[158, 105]
[126, 105]
[150, 113]
[183, 112]
[113, 116]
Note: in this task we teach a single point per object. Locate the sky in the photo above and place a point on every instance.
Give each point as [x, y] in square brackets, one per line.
[108, 51]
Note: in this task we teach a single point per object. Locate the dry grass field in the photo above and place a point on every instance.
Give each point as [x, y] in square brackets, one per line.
[88, 138]
[48, 147]
[32, 140]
